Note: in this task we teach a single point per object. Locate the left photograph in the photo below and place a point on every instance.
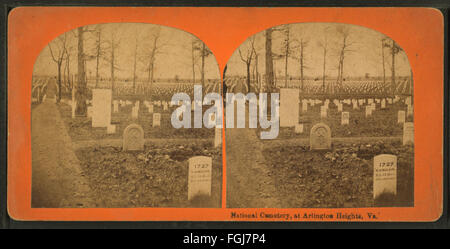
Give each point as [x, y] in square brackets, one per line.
[103, 114]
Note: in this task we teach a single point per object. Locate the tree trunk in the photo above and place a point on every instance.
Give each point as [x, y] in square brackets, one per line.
[203, 65]
[193, 61]
[134, 68]
[269, 62]
[112, 66]
[248, 76]
[81, 88]
[59, 81]
[393, 68]
[301, 65]
[286, 59]
[323, 74]
[98, 60]
[384, 70]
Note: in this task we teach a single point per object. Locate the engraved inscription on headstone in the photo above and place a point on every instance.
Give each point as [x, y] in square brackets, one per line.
[133, 138]
[199, 179]
[320, 137]
[384, 174]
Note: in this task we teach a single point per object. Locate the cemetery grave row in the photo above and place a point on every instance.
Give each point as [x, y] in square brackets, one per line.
[124, 113]
[371, 117]
[315, 87]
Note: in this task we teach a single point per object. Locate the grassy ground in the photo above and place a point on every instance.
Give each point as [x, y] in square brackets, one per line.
[155, 177]
[342, 177]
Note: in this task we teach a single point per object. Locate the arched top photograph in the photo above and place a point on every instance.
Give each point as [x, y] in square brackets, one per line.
[102, 115]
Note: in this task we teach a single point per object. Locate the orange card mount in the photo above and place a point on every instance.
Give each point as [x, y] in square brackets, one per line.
[355, 135]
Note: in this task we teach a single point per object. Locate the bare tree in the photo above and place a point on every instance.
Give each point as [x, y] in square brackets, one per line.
[196, 48]
[395, 49]
[344, 32]
[58, 56]
[324, 45]
[383, 42]
[149, 56]
[269, 75]
[135, 62]
[113, 45]
[205, 53]
[99, 52]
[287, 52]
[247, 57]
[303, 43]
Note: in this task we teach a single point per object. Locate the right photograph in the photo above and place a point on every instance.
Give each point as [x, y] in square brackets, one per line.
[319, 115]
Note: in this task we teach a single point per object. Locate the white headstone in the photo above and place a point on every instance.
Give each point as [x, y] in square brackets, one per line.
[156, 119]
[323, 111]
[345, 118]
[401, 117]
[133, 138]
[111, 129]
[320, 137]
[289, 107]
[101, 104]
[135, 112]
[409, 110]
[150, 108]
[408, 133]
[89, 111]
[368, 110]
[304, 106]
[217, 137]
[199, 179]
[211, 119]
[298, 128]
[383, 104]
[116, 106]
[384, 174]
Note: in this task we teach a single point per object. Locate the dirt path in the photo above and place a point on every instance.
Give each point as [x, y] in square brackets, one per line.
[57, 180]
[249, 184]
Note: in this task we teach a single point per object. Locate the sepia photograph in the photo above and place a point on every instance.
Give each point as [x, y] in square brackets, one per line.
[326, 119]
[102, 134]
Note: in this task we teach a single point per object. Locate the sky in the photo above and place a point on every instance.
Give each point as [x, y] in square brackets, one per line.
[364, 55]
[174, 58]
